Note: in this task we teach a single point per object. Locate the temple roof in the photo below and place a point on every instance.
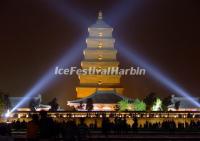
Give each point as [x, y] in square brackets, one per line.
[100, 23]
[184, 102]
[107, 97]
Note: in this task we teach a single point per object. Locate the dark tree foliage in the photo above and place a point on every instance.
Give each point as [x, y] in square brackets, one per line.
[7, 101]
[166, 102]
[117, 107]
[89, 104]
[149, 100]
[32, 104]
[54, 105]
[177, 105]
[80, 105]
[1, 104]
[4, 101]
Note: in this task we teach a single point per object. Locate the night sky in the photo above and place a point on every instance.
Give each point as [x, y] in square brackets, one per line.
[34, 34]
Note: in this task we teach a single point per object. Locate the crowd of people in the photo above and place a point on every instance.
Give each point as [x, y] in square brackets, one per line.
[45, 128]
[171, 125]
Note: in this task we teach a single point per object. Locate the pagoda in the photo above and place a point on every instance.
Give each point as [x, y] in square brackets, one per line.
[104, 90]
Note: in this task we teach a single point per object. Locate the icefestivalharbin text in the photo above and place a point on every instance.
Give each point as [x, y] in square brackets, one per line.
[100, 71]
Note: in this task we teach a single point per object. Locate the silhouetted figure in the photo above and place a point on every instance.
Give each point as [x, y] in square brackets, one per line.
[5, 132]
[177, 105]
[54, 105]
[135, 124]
[7, 103]
[33, 129]
[46, 126]
[89, 104]
[166, 102]
[70, 131]
[105, 126]
[32, 104]
[83, 130]
[149, 100]
[81, 106]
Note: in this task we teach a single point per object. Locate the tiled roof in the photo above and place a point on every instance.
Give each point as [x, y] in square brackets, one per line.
[184, 102]
[100, 24]
[107, 97]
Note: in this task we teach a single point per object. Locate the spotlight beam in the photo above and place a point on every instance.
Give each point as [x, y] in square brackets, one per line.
[73, 54]
[156, 73]
[113, 19]
[64, 9]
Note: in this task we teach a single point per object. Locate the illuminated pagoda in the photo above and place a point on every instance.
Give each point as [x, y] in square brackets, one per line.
[104, 90]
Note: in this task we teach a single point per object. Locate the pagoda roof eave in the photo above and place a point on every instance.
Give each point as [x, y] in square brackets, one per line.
[105, 97]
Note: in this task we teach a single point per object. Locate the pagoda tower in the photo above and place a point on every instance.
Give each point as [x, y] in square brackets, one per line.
[100, 54]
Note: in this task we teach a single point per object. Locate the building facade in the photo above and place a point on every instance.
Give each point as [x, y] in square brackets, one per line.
[99, 54]
[104, 90]
[183, 104]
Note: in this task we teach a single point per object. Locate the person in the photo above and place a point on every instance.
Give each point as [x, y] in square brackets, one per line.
[5, 132]
[33, 129]
[46, 126]
[83, 130]
[70, 131]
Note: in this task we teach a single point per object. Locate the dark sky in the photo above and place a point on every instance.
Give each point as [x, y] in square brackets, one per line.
[33, 35]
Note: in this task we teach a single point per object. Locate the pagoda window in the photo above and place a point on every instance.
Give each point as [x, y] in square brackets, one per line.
[100, 57]
[100, 82]
[100, 45]
[100, 34]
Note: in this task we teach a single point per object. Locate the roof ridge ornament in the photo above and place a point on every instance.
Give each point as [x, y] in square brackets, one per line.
[100, 15]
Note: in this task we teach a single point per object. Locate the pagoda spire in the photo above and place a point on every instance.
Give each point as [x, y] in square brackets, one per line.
[100, 53]
[100, 15]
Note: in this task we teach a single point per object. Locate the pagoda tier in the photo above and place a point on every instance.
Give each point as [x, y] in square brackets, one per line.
[95, 42]
[101, 54]
[99, 64]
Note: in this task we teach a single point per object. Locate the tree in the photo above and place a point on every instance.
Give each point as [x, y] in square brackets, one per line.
[2, 102]
[116, 108]
[7, 101]
[139, 105]
[54, 105]
[157, 106]
[149, 100]
[177, 105]
[81, 105]
[2, 105]
[32, 104]
[89, 104]
[123, 105]
[166, 102]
